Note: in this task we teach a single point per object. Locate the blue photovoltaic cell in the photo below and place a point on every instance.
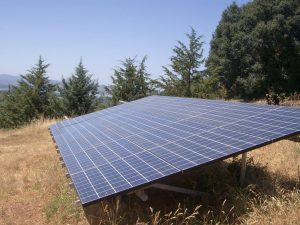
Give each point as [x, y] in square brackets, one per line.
[130, 145]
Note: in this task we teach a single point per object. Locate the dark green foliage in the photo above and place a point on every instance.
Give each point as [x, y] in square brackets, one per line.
[256, 48]
[2, 96]
[14, 109]
[32, 98]
[275, 99]
[130, 81]
[204, 86]
[78, 93]
[185, 67]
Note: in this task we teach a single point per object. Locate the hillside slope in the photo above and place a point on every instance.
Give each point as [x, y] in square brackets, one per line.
[34, 189]
[6, 80]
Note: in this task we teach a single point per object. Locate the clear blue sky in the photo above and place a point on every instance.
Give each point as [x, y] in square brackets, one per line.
[102, 32]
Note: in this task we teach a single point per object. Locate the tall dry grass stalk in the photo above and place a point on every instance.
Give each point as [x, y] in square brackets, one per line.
[179, 216]
[282, 209]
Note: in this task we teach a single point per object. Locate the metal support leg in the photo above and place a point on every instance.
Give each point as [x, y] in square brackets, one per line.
[243, 168]
[177, 189]
[142, 195]
[78, 203]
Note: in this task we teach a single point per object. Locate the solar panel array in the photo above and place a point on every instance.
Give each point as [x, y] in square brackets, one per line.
[131, 145]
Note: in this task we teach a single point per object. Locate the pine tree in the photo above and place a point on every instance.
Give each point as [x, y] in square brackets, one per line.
[30, 99]
[185, 66]
[39, 89]
[79, 92]
[130, 81]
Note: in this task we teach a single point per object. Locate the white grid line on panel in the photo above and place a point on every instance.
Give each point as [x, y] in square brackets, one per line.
[95, 166]
[98, 170]
[132, 152]
[84, 174]
[168, 150]
[119, 157]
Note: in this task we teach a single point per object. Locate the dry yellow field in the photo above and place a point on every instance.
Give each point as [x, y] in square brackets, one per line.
[34, 189]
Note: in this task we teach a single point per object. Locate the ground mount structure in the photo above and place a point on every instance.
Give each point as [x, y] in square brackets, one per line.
[128, 147]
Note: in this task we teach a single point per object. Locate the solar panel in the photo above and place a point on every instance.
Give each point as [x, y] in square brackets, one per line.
[128, 146]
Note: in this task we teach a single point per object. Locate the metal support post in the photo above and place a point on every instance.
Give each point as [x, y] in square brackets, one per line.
[243, 168]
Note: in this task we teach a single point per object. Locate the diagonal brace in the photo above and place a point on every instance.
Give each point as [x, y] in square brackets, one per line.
[177, 189]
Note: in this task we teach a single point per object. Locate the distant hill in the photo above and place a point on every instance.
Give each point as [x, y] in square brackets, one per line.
[102, 90]
[7, 79]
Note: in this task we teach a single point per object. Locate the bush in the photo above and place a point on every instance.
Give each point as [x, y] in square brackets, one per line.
[274, 98]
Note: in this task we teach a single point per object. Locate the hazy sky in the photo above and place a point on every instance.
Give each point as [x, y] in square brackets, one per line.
[102, 32]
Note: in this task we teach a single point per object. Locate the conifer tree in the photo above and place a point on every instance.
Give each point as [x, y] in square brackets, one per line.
[30, 99]
[79, 92]
[130, 81]
[185, 66]
[38, 88]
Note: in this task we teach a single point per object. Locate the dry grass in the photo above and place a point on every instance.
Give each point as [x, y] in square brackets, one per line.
[293, 100]
[34, 190]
